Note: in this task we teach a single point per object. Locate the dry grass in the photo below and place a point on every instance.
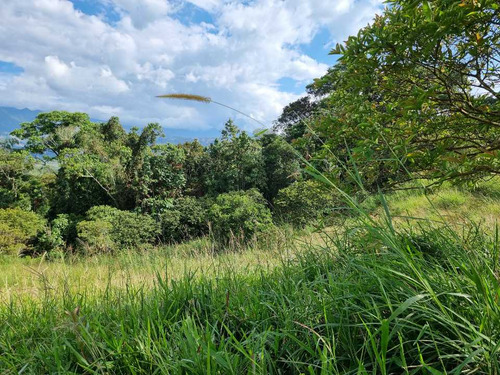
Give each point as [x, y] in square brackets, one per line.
[33, 278]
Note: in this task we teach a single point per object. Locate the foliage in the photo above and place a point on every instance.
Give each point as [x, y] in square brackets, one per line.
[234, 162]
[194, 168]
[19, 186]
[305, 202]
[184, 220]
[60, 235]
[108, 228]
[239, 216]
[53, 132]
[292, 121]
[161, 175]
[96, 236]
[281, 164]
[415, 94]
[85, 180]
[113, 131]
[18, 230]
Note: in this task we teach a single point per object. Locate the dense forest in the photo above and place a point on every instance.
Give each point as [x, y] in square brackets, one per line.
[406, 121]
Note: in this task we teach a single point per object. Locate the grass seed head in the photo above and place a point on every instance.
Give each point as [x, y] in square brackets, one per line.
[197, 98]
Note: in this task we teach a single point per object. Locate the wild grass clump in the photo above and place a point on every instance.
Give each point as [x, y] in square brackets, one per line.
[415, 301]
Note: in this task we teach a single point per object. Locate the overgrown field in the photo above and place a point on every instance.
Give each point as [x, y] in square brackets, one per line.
[378, 276]
[375, 296]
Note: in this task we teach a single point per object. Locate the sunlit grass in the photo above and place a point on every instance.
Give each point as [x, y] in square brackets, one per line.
[375, 296]
[451, 205]
[33, 278]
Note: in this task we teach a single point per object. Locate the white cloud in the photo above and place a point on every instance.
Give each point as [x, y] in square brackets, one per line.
[74, 61]
[55, 67]
[143, 12]
[207, 5]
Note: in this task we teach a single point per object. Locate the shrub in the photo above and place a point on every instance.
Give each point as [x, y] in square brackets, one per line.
[60, 233]
[97, 235]
[303, 202]
[239, 215]
[18, 229]
[108, 228]
[170, 221]
[187, 219]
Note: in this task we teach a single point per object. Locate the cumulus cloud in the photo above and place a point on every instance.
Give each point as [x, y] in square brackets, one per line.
[142, 12]
[76, 61]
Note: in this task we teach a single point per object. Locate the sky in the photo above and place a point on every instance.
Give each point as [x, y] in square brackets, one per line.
[112, 57]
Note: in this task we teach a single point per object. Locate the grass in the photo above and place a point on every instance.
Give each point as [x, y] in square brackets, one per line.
[374, 297]
[449, 204]
[31, 278]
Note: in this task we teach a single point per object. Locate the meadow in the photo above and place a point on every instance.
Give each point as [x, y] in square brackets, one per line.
[358, 235]
[373, 295]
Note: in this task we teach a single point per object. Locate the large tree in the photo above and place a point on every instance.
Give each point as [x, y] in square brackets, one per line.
[97, 164]
[415, 95]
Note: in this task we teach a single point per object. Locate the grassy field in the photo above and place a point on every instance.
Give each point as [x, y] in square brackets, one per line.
[34, 278]
[380, 294]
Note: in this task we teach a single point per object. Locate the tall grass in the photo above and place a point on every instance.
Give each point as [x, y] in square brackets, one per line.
[373, 299]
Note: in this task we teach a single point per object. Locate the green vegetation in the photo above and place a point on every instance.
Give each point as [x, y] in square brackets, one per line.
[145, 258]
[238, 216]
[304, 202]
[415, 300]
[17, 229]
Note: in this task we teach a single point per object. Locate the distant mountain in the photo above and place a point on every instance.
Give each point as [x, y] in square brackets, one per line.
[10, 118]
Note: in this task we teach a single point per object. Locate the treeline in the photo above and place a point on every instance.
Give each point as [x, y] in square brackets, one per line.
[414, 95]
[104, 189]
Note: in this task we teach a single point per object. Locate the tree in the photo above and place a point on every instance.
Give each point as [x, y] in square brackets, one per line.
[194, 167]
[98, 164]
[14, 177]
[234, 162]
[281, 164]
[161, 174]
[19, 186]
[415, 95]
[292, 121]
[113, 131]
[52, 132]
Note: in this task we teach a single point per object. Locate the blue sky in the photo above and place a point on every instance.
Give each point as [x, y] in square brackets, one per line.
[10, 68]
[112, 57]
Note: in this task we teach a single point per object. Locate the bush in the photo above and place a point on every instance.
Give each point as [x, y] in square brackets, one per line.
[97, 235]
[304, 202]
[60, 233]
[18, 230]
[108, 228]
[187, 219]
[239, 215]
